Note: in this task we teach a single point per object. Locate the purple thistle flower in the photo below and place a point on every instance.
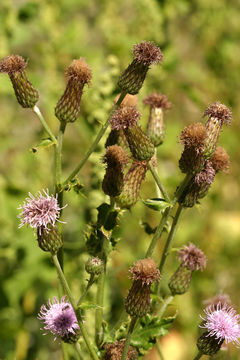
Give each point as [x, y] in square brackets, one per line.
[222, 323]
[59, 318]
[40, 210]
[192, 257]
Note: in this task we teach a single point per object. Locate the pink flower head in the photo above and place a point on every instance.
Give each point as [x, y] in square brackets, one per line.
[192, 257]
[222, 323]
[58, 317]
[40, 211]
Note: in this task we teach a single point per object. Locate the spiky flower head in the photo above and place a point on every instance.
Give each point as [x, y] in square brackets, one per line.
[220, 160]
[155, 126]
[145, 54]
[115, 158]
[94, 266]
[59, 318]
[192, 257]
[40, 211]
[144, 272]
[114, 351]
[222, 324]
[157, 100]
[131, 184]
[124, 117]
[218, 114]
[14, 65]
[68, 107]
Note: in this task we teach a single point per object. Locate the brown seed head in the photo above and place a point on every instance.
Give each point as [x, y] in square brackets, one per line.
[192, 257]
[219, 111]
[124, 117]
[114, 351]
[115, 156]
[220, 160]
[145, 270]
[80, 71]
[194, 135]
[147, 53]
[157, 101]
[129, 100]
[12, 64]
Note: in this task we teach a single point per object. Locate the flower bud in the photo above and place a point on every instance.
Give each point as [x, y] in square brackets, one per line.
[218, 114]
[14, 65]
[68, 107]
[114, 351]
[115, 158]
[140, 145]
[132, 184]
[94, 266]
[133, 77]
[49, 239]
[156, 127]
[192, 259]
[144, 273]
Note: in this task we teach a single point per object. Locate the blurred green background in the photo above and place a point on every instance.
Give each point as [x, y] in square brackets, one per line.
[200, 43]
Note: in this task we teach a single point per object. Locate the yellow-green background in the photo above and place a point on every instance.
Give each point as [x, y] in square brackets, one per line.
[200, 43]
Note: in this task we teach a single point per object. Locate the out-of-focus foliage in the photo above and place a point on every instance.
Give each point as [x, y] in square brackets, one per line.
[200, 42]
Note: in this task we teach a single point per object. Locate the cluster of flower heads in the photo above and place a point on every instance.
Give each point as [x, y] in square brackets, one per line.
[59, 318]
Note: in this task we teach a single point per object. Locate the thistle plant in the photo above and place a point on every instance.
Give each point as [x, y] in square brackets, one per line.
[129, 153]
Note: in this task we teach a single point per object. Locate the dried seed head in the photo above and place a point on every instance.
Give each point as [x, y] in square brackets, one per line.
[68, 107]
[220, 160]
[156, 100]
[94, 266]
[192, 257]
[220, 112]
[114, 351]
[12, 63]
[115, 156]
[129, 100]
[79, 71]
[194, 135]
[147, 53]
[132, 184]
[124, 117]
[146, 271]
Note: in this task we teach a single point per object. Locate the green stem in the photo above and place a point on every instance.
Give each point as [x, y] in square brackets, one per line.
[64, 351]
[158, 182]
[167, 301]
[158, 232]
[78, 350]
[128, 338]
[90, 282]
[170, 237]
[37, 111]
[58, 158]
[96, 141]
[77, 311]
[199, 355]
[158, 191]
[159, 351]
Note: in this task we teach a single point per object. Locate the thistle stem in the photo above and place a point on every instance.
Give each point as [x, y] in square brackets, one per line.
[89, 284]
[199, 355]
[78, 350]
[128, 338]
[66, 288]
[170, 237]
[167, 301]
[58, 158]
[159, 351]
[96, 141]
[158, 181]
[37, 111]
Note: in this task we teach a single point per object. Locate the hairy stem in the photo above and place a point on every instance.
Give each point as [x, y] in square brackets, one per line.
[158, 182]
[128, 338]
[96, 141]
[37, 111]
[89, 284]
[167, 301]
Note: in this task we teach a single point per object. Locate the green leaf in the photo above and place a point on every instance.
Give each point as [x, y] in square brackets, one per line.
[156, 204]
[45, 143]
[149, 329]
